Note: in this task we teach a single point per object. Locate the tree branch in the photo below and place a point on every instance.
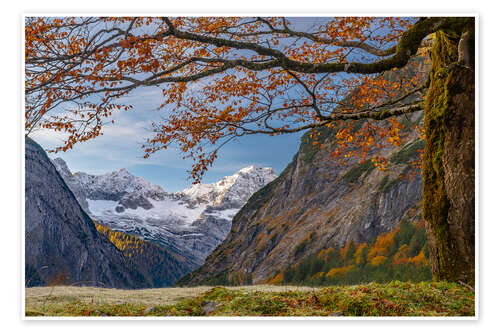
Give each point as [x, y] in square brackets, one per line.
[406, 48]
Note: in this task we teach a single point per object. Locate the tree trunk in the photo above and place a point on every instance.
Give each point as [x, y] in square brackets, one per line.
[448, 174]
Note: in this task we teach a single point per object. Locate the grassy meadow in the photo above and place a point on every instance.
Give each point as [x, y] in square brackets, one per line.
[391, 299]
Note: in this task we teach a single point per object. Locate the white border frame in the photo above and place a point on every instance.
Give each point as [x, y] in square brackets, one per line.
[247, 14]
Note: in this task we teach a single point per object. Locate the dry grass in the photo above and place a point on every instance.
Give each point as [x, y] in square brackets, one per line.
[372, 299]
[37, 297]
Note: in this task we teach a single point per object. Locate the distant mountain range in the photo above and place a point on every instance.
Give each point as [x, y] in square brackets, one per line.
[79, 228]
[190, 223]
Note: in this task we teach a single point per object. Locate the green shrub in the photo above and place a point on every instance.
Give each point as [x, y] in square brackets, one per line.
[408, 152]
[356, 171]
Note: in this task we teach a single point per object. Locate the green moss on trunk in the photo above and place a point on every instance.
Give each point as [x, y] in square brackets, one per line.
[447, 260]
[435, 200]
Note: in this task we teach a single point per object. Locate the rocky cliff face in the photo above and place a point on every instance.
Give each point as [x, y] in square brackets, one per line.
[315, 203]
[191, 223]
[62, 245]
[72, 182]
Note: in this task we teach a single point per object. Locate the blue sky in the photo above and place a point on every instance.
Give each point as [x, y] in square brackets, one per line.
[120, 147]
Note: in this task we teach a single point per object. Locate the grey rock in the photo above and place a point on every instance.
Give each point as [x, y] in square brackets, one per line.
[72, 182]
[133, 201]
[100, 313]
[209, 307]
[335, 314]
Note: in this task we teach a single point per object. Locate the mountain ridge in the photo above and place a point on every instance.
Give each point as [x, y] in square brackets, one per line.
[191, 222]
[62, 245]
[314, 204]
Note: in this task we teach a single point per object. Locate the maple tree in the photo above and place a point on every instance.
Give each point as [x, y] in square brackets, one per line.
[226, 77]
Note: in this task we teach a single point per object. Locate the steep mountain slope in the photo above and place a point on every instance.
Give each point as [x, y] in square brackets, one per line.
[190, 223]
[72, 183]
[62, 245]
[160, 266]
[314, 204]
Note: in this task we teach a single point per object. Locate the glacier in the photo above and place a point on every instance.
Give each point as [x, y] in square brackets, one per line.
[191, 222]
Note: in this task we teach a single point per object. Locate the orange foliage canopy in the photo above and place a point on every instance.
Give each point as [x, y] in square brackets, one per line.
[419, 259]
[339, 271]
[223, 77]
[360, 252]
[378, 260]
[383, 244]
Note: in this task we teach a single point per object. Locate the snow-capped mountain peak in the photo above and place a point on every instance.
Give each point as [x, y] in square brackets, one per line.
[114, 182]
[193, 221]
[232, 190]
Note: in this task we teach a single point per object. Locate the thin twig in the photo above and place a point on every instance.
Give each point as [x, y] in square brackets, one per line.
[466, 285]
